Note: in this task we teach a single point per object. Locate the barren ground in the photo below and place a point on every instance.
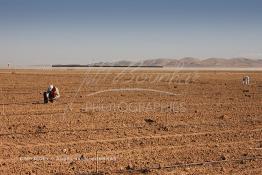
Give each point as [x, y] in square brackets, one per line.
[137, 121]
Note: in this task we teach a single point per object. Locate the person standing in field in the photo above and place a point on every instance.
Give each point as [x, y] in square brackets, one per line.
[51, 94]
[246, 80]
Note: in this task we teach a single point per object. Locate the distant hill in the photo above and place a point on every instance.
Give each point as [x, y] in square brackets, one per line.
[190, 62]
[187, 62]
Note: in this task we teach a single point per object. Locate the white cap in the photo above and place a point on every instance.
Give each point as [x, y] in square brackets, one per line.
[50, 87]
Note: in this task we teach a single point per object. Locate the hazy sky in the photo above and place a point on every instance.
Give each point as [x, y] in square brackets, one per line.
[84, 31]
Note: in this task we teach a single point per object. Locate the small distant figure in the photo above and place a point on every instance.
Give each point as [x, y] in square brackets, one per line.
[8, 65]
[51, 94]
[246, 80]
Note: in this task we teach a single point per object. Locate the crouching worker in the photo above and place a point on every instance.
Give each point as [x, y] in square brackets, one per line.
[51, 94]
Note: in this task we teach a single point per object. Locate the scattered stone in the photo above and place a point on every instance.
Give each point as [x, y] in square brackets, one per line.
[40, 128]
[149, 121]
[145, 170]
[222, 117]
[223, 157]
[82, 157]
[242, 162]
[93, 173]
[65, 151]
[163, 128]
[130, 167]
[245, 154]
[223, 169]
[260, 145]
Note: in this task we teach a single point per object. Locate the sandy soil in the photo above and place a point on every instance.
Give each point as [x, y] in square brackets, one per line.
[131, 122]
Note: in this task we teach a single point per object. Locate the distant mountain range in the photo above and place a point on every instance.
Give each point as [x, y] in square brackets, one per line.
[190, 62]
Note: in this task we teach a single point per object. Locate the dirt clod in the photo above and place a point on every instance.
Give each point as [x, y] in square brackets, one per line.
[150, 121]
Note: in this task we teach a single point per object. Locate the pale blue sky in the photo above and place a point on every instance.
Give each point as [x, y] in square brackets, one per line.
[84, 31]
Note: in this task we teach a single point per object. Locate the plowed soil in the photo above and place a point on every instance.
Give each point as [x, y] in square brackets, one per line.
[131, 121]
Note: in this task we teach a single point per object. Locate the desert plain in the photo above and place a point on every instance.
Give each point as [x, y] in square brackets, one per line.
[131, 121]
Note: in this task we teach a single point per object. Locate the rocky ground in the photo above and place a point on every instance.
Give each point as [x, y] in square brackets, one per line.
[131, 121]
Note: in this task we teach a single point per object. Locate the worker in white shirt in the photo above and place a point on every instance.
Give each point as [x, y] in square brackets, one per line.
[51, 94]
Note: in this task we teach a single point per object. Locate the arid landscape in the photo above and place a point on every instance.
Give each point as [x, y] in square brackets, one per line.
[131, 121]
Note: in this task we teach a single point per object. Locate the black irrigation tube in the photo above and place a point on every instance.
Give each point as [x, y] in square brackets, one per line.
[37, 103]
[81, 102]
[46, 113]
[69, 130]
[55, 112]
[104, 129]
[183, 165]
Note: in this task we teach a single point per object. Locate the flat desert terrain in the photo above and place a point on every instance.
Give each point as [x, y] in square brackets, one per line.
[131, 121]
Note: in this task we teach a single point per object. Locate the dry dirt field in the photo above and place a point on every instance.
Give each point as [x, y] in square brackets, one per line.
[117, 121]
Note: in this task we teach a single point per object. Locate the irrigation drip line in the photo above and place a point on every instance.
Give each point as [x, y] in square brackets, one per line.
[107, 129]
[69, 130]
[183, 165]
